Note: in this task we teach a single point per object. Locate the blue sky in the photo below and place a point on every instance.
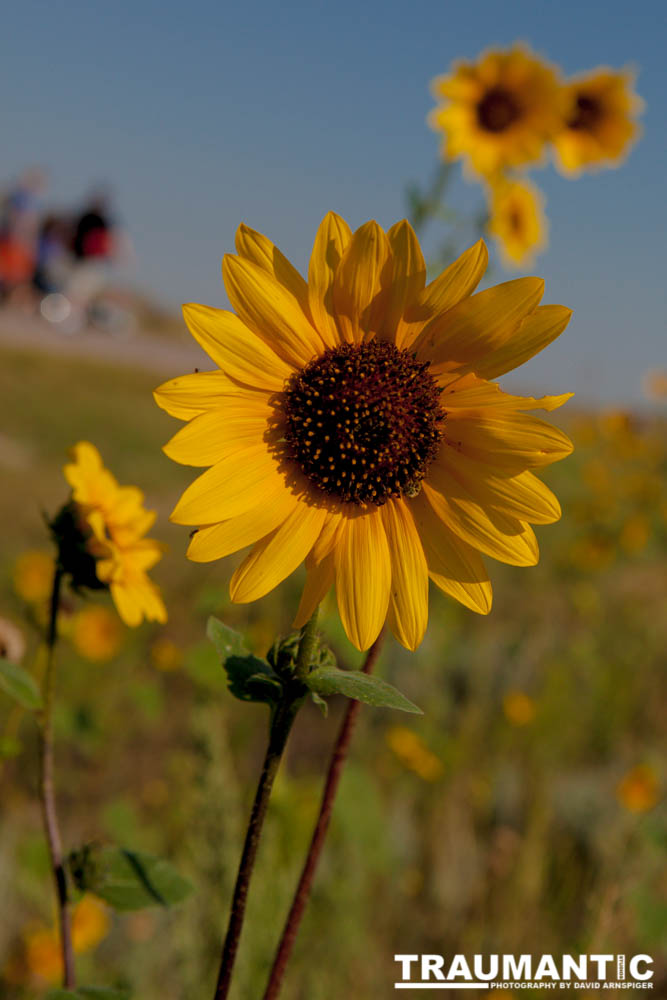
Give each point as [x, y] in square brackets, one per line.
[207, 114]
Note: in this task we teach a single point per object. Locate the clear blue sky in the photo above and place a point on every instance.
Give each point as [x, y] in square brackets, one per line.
[205, 114]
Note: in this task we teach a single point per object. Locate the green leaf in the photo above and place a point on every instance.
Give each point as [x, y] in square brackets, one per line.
[19, 685]
[127, 880]
[249, 678]
[326, 681]
[88, 993]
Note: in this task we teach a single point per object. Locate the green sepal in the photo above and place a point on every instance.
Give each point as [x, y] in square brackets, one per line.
[19, 685]
[326, 681]
[88, 993]
[127, 880]
[320, 702]
[249, 678]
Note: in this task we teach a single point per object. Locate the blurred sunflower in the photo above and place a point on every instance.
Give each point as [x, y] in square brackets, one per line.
[600, 125]
[352, 424]
[101, 537]
[499, 111]
[517, 220]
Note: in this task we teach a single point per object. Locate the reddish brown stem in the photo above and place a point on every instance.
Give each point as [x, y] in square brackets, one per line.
[302, 893]
[47, 793]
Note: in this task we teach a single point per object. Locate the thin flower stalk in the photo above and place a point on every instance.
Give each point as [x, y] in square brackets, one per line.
[281, 725]
[302, 894]
[47, 791]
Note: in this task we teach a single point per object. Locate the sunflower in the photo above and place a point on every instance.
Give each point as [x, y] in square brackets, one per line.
[517, 220]
[101, 537]
[352, 424]
[600, 124]
[499, 111]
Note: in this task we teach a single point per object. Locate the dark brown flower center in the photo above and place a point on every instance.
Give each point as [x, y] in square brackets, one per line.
[587, 113]
[497, 110]
[364, 422]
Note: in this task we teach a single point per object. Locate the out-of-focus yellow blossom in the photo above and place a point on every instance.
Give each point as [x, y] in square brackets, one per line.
[500, 111]
[97, 633]
[33, 575]
[90, 924]
[519, 708]
[43, 959]
[117, 522]
[165, 654]
[635, 533]
[517, 220]
[654, 384]
[600, 125]
[639, 790]
[412, 751]
[42, 954]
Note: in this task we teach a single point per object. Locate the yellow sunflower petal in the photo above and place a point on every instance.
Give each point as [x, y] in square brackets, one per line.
[319, 580]
[455, 567]
[497, 535]
[361, 283]
[277, 555]
[268, 308]
[506, 440]
[408, 279]
[214, 436]
[228, 488]
[189, 395]
[260, 250]
[363, 577]
[239, 352]
[535, 333]
[332, 238]
[457, 282]
[523, 496]
[472, 393]
[219, 540]
[465, 335]
[409, 574]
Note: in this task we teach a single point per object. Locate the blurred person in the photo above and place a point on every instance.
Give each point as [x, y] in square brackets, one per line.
[94, 250]
[19, 229]
[53, 259]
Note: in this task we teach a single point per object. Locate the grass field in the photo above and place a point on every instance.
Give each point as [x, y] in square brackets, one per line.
[524, 812]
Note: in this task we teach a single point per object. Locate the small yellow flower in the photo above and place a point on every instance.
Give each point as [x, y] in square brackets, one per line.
[517, 220]
[639, 790]
[42, 954]
[165, 654]
[353, 424]
[414, 753]
[600, 125]
[115, 521]
[635, 533]
[500, 111]
[519, 708]
[90, 924]
[43, 958]
[96, 633]
[33, 576]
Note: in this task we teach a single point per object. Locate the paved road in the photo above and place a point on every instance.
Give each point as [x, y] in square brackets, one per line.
[141, 350]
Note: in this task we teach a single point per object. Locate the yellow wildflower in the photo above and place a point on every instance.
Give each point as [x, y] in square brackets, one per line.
[33, 575]
[413, 752]
[97, 634]
[517, 220]
[519, 708]
[639, 790]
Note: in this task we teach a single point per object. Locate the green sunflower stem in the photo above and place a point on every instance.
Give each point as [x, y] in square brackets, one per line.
[282, 720]
[47, 790]
[304, 887]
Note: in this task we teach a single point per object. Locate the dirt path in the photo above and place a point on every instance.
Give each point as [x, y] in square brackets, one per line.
[142, 349]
